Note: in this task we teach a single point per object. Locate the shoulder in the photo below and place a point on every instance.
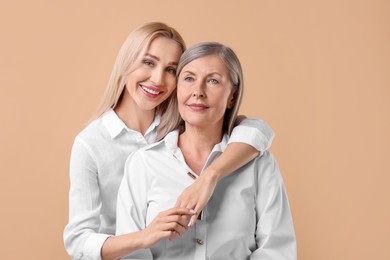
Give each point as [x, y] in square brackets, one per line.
[93, 129]
[267, 167]
[93, 133]
[266, 157]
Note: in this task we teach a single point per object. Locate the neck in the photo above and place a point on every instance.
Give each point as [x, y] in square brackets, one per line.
[196, 145]
[133, 116]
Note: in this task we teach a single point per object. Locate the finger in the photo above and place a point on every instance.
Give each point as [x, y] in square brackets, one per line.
[183, 220]
[179, 229]
[174, 227]
[186, 202]
[195, 217]
[179, 211]
[168, 234]
[192, 221]
[173, 236]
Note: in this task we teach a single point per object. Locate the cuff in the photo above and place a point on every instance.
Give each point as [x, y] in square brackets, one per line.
[93, 246]
[250, 136]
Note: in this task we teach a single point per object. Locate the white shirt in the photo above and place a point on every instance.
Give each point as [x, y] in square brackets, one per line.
[248, 216]
[96, 169]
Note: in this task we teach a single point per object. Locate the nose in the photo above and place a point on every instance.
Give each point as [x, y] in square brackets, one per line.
[157, 77]
[198, 91]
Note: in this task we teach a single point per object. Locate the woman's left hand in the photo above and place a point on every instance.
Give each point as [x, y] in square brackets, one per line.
[197, 195]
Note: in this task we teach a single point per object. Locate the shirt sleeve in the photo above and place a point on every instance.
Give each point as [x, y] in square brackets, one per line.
[275, 236]
[81, 237]
[254, 132]
[132, 202]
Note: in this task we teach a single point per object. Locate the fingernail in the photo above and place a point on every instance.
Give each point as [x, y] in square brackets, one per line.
[190, 223]
[192, 211]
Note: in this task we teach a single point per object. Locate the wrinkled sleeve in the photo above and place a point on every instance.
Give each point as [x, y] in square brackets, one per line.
[81, 237]
[275, 236]
[254, 132]
[132, 201]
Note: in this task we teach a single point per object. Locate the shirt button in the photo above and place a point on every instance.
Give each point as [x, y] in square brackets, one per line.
[199, 241]
[191, 175]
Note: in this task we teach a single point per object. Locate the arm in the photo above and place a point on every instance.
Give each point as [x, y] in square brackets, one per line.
[254, 132]
[81, 237]
[275, 236]
[248, 138]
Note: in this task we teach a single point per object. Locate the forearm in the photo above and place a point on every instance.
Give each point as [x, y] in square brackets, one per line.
[116, 247]
[198, 194]
[248, 139]
[235, 156]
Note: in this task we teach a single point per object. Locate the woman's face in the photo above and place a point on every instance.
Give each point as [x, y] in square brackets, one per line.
[154, 79]
[204, 92]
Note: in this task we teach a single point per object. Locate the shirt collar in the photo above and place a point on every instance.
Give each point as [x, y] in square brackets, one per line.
[154, 124]
[115, 125]
[172, 138]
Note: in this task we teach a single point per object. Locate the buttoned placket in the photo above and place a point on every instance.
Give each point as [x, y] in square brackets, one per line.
[200, 227]
[179, 157]
[200, 238]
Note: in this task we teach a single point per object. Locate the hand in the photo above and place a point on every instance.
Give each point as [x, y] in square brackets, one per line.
[167, 224]
[197, 195]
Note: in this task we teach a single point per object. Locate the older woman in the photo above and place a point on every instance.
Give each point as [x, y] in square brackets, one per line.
[248, 216]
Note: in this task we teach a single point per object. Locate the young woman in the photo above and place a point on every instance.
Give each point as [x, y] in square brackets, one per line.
[248, 216]
[133, 108]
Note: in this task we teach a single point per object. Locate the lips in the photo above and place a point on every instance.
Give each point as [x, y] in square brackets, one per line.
[150, 90]
[197, 107]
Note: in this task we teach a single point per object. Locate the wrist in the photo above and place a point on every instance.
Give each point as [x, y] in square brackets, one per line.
[140, 241]
[212, 175]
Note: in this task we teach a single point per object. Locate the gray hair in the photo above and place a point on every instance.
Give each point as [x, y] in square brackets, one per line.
[232, 63]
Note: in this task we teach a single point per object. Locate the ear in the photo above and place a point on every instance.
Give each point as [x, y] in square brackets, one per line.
[232, 99]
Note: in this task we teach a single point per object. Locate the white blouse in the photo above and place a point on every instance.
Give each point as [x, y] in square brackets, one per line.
[248, 216]
[96, 169]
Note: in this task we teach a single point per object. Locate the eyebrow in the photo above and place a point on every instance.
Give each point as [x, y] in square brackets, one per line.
[208, 75]
[215, 73]
[188, 72]
[158, 59]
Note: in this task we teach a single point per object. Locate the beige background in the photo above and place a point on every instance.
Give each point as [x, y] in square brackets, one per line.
[316, 71]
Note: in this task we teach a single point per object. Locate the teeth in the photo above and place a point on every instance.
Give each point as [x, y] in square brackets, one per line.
[150, 91]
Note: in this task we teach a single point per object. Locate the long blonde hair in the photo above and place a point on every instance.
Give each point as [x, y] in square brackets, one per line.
[171, 119]
[131, 51]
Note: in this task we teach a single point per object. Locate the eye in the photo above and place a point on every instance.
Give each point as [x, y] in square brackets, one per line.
[149, 63]
[213, 81]
[189, 79]
[171, 70]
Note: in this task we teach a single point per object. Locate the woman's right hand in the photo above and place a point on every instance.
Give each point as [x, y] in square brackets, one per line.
[167, 224]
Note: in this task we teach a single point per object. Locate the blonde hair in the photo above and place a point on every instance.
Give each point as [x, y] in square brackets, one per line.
[131, 51]
[171, 119]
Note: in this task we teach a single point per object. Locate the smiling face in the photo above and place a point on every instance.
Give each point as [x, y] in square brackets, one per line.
[154, 79]
[204, 92]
